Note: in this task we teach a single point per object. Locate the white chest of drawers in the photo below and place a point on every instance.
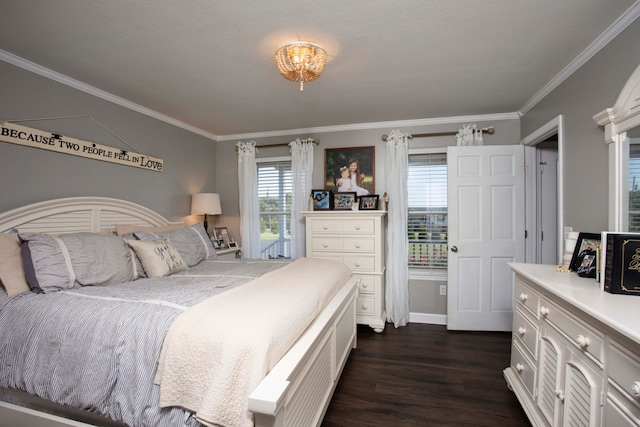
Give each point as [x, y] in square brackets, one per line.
[357, 239]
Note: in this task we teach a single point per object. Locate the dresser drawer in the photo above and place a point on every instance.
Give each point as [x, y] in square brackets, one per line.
[624, 371]
[526, 297]
[365, 305]
[523, 367]
[325, 226]
[618, 415]
[327, 244]
[360, 263]
[525, 331]
[361, 226]
[368, 284]
[358, 244]
[579, 334]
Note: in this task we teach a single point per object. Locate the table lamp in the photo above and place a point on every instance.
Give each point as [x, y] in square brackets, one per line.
[205, 204]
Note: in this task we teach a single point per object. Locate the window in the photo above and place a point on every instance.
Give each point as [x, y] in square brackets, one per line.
[427, 200]
[634, 186]
[274, 200]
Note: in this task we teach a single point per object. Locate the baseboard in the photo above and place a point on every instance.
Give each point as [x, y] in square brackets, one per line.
[433, 319]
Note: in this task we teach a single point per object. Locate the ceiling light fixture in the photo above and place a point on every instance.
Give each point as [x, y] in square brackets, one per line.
[301, 61]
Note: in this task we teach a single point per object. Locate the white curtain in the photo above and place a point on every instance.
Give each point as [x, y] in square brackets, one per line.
[248, 189]
[469, 135]
[301, 171]
[397, 277]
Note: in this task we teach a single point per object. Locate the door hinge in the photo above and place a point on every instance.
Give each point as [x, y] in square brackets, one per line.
[526, 234]
[526, 166]
[542, 236]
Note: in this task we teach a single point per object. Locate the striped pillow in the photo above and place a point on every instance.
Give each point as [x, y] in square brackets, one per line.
[52, 263]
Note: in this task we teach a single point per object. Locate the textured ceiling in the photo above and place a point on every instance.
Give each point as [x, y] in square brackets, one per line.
[209, 64]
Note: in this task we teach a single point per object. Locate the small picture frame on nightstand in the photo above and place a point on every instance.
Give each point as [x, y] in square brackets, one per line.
[233, 244]
[222, 234]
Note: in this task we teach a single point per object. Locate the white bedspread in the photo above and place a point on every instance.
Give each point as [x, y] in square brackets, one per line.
[218, 351]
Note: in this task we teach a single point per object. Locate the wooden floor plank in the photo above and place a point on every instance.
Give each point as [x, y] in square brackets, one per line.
[423, 375]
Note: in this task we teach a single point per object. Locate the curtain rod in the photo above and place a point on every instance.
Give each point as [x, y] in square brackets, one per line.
[283, 144]
[490, 130]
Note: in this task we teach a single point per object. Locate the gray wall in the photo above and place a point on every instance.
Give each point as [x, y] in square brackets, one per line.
[424, 294]
[591, 89]
[30, 175]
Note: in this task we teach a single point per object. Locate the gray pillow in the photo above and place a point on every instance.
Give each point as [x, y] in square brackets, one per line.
[192, 243]
[53, 263]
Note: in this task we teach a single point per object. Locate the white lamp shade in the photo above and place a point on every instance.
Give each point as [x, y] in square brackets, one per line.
[205, 204]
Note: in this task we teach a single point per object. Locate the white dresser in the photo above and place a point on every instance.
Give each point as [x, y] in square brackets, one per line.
[357, 239]
[575, 353]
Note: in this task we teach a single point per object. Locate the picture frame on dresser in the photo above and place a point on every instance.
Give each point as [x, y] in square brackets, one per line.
[322, 200]
[586, 243]
[369, 203]
[344, 201]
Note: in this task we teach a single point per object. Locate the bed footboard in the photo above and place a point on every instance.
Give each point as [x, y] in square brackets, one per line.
[299, 388]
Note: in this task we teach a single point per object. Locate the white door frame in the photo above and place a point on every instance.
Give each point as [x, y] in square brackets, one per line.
[552, 127]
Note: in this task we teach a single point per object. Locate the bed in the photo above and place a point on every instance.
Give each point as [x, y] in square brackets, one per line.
[189, 340]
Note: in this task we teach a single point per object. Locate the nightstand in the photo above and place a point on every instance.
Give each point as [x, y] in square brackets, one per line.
[226, 253]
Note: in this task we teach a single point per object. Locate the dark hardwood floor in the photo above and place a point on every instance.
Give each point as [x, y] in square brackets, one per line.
[423, 375]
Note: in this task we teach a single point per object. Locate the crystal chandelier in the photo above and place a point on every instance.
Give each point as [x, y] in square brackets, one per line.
[300, 61]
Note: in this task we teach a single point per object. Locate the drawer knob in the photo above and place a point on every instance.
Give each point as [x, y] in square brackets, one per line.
[635, 388]
[357, 245]
[357, 264]
[364, 284]
[560, 395]
[324, 227]
[357, 227]
[583, 341]
[365, 307]
[523, 297]
[521, 330]
[519, 367]
[325, 245]
[544, 311]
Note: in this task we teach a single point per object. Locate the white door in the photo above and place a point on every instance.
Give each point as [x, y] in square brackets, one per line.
[486, 231]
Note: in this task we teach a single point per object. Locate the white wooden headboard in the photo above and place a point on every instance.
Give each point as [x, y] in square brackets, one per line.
[76, 214]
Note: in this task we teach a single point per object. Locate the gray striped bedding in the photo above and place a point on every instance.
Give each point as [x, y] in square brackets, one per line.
[97, 347]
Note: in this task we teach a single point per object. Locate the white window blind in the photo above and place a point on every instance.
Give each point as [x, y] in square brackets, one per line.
[427, 200]
[274, 200]
[634, 187]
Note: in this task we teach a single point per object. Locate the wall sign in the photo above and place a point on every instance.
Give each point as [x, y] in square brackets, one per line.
[30, 137]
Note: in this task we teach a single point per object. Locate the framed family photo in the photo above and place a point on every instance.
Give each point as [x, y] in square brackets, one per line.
[221, 235]
[369, 203]
[584, 253]
[344, 201]
[322, 200]
[348, 170]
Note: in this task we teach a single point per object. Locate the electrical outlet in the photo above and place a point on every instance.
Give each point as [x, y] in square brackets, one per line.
[443, 289]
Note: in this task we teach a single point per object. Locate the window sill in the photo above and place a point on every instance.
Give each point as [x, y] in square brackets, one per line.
[424, 274]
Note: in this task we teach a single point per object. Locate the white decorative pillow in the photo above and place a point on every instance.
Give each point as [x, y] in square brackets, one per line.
[158, 257]
[192, 242]
[11, 270]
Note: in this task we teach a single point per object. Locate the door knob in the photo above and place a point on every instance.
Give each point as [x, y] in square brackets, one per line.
[454, 249]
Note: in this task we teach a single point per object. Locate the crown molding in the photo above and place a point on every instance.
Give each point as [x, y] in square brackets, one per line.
[76, 84]
[372, 125]
[612, 32]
